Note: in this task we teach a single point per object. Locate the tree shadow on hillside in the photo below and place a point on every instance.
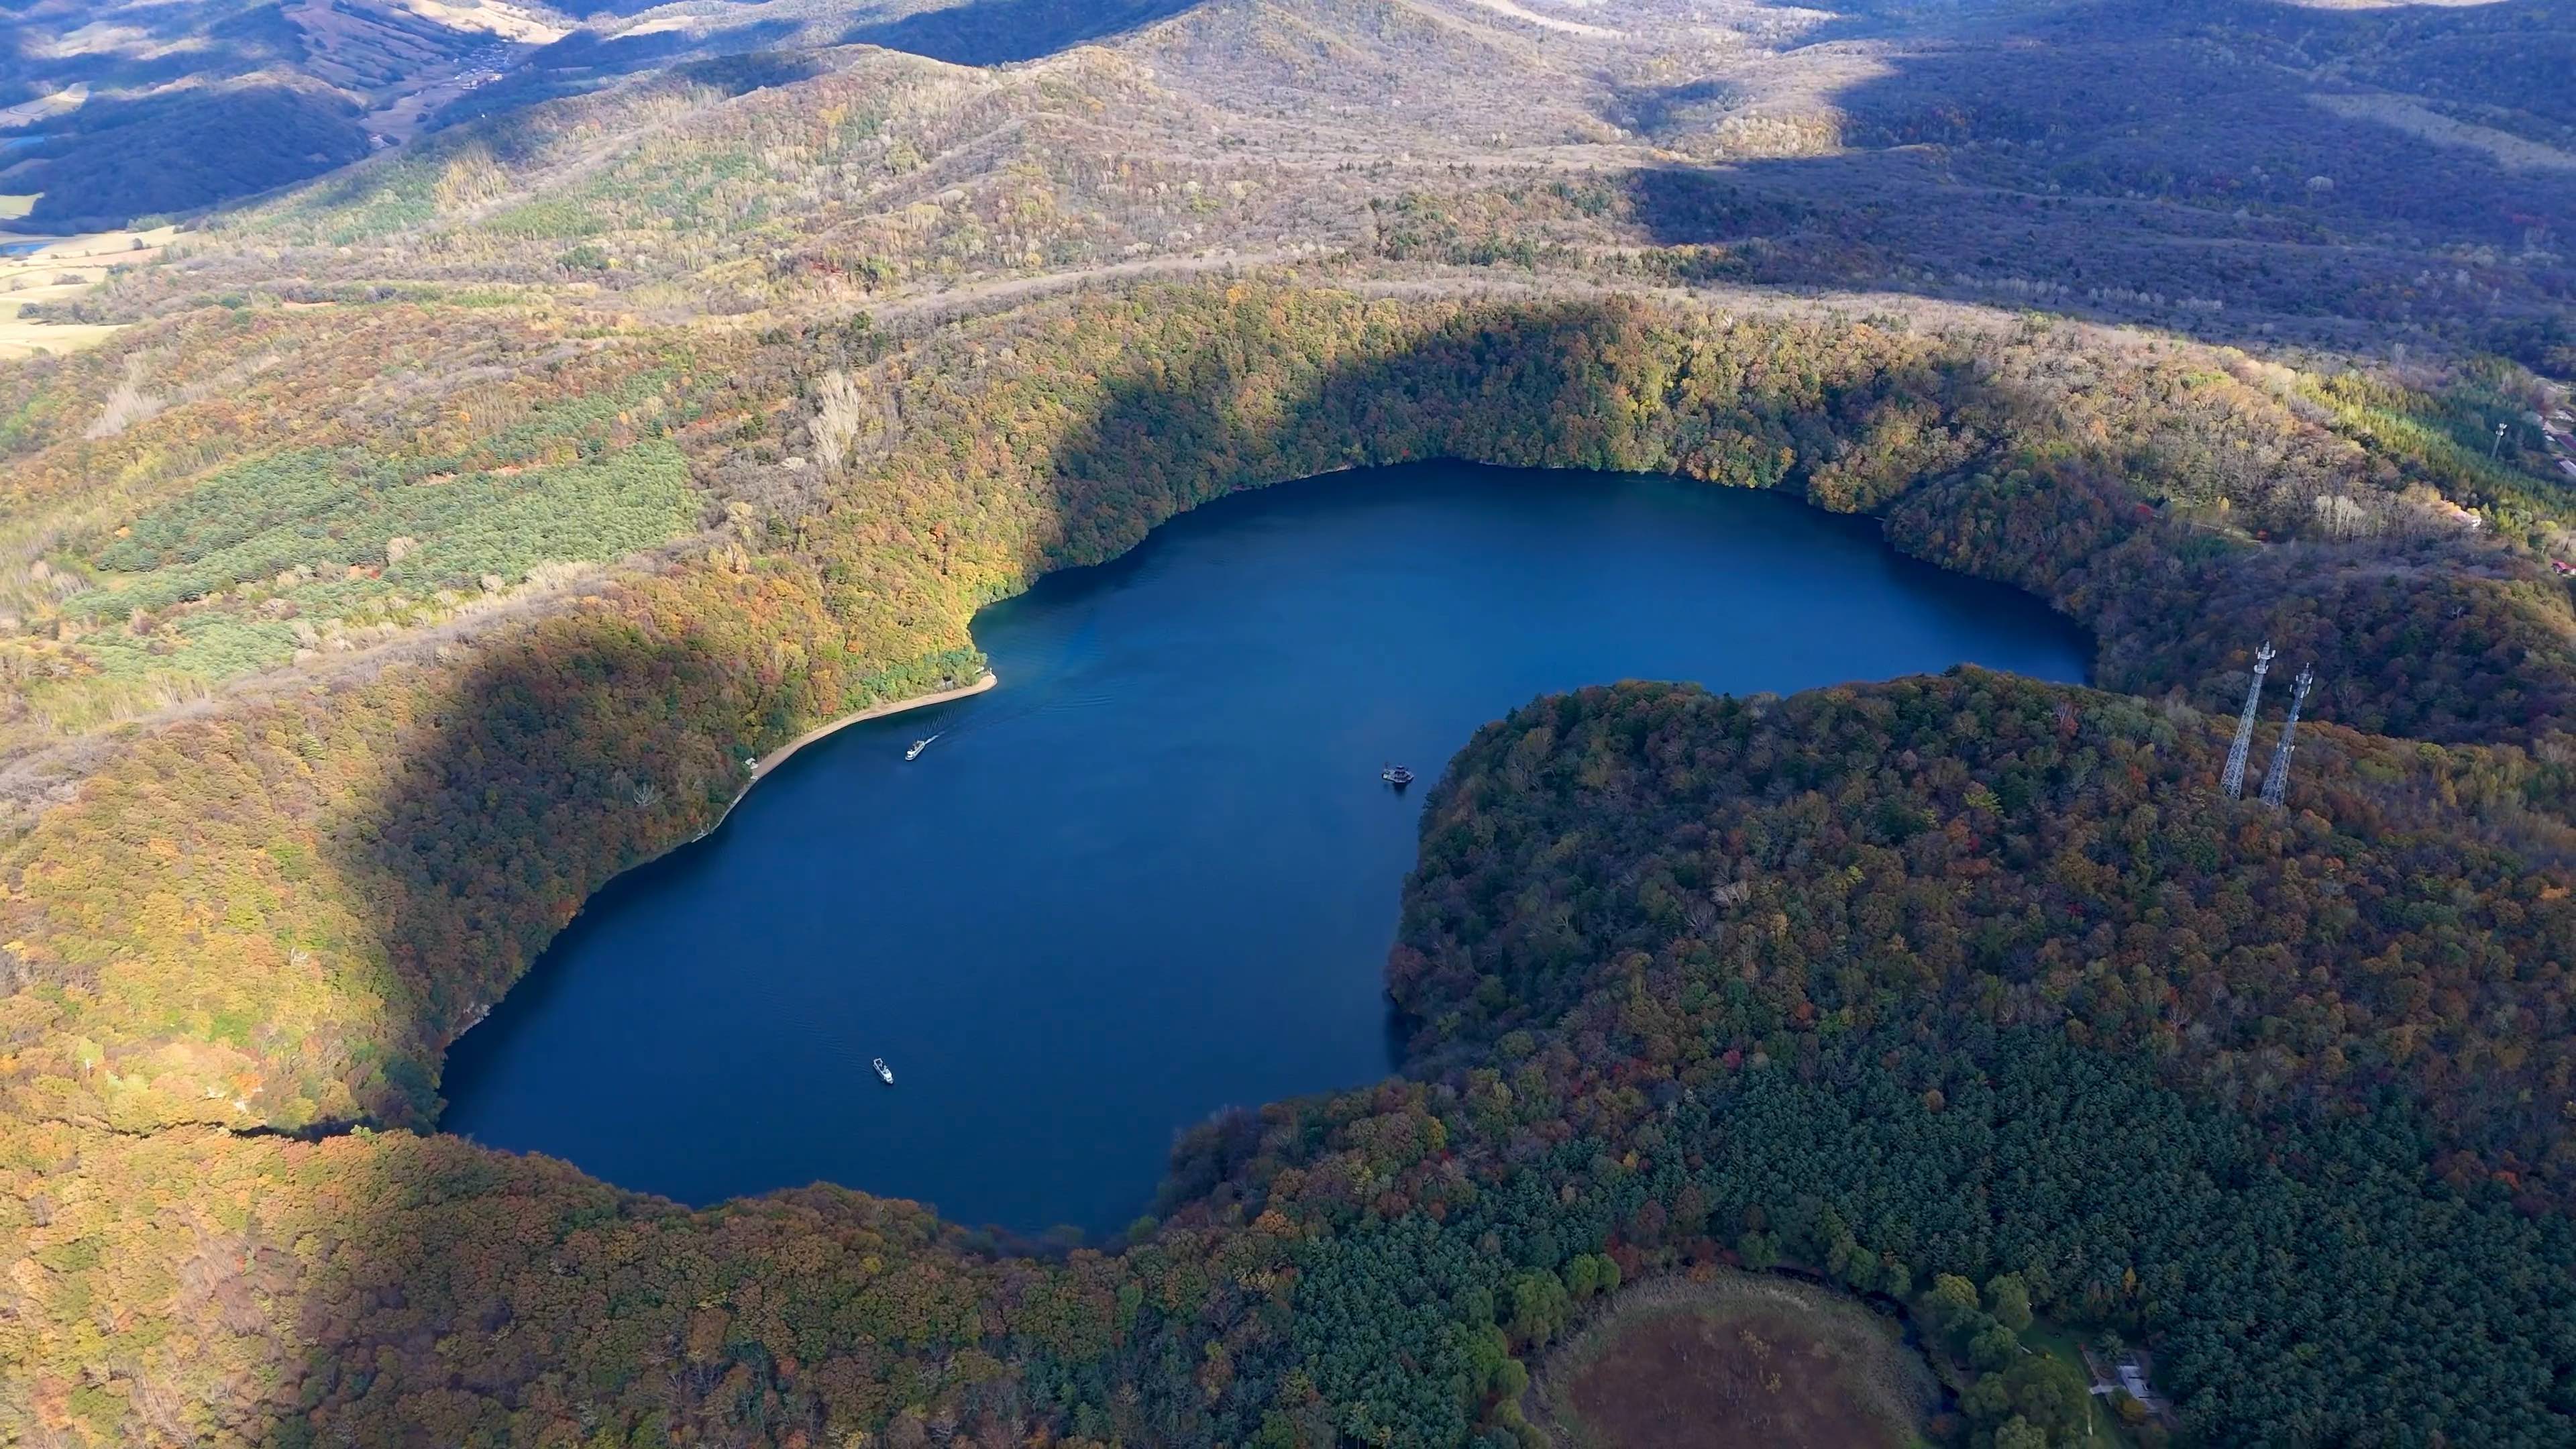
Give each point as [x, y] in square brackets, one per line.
[737, 58]
[998, 32]
[2165, 163]
[115, 160]
[977, 32]
[146, 47]
[581, 748]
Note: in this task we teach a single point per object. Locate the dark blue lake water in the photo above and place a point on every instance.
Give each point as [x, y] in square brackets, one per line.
[1154, 873]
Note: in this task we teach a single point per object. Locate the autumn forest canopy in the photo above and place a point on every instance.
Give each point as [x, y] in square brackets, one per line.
[408, 553]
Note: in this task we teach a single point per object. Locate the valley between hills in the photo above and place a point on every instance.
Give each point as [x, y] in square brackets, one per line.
[406, 539]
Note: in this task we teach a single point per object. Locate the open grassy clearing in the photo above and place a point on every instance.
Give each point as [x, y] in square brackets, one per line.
[1745, 1358]
[2414, 119]
[2101, 1425]
[58, 271]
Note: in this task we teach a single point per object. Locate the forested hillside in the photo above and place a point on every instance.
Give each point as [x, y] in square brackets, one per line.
[436, 541]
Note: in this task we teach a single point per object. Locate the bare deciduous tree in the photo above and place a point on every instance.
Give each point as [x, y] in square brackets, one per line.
[127, 405]
[2340, 516]
[836, 422]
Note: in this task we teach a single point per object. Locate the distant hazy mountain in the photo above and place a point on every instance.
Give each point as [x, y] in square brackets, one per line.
[115, 110]
[118, 109]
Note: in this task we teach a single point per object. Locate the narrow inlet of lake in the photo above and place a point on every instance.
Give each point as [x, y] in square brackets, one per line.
[1154, 873]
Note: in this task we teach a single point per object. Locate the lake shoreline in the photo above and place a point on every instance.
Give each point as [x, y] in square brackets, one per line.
[759, 771]
[760, 768]
[779, 756]
[1190, 776]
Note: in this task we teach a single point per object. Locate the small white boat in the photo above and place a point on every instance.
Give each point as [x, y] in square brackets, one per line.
[918, 746]
[1396, 775]
[885, 1071]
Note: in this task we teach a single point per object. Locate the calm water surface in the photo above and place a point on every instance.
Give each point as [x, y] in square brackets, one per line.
[1154, 874]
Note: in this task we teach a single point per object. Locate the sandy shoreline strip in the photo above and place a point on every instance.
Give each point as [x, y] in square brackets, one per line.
[771, 761]
[778, 757]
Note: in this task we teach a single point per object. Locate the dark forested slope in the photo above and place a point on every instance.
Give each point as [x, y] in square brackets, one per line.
[1924, 854]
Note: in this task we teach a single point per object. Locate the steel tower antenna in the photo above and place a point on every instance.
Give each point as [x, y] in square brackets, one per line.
[2276, 780]
[2233, 782]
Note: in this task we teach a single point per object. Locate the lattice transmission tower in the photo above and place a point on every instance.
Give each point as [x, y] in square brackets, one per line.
[2233, 782]
[2276, 780]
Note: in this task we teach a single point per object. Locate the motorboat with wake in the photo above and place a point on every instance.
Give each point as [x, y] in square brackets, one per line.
[1396, 775]
[886, 1073]
[918, 746]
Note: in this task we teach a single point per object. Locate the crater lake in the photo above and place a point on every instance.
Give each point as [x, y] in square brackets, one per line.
[1154, 873]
